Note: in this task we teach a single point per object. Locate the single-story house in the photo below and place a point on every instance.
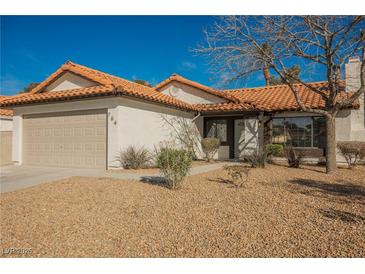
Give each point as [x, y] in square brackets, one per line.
[6, 129]
[82, 117]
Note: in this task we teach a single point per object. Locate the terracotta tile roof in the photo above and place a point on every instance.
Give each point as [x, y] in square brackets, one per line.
[178, 78]
[272, 98]
[64, 95]
[107, 85]
[281, 98]
[225, 107]
[96, 91]
[5, 111]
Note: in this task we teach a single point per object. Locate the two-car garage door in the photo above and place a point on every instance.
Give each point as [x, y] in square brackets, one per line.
[69, 139]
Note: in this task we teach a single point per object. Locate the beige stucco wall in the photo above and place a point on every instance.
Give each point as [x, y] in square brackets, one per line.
[6, 129]
[350, 124]
[5, 147]
[69, 81]
[190, 94]
[6, 123]
[343, 125]
[141, 124]
[130, 122]
[358, 122]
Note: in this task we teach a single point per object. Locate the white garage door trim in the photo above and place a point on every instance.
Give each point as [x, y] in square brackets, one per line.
[66, 139]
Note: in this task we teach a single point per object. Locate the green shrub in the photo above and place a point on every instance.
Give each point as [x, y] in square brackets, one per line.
[174, 165]
[257, 159]
[210, 147]
[134, 158]
[352, 151]
[275, 150]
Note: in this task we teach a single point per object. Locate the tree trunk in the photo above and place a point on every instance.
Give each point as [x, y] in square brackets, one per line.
[331, 164]
[266, 71]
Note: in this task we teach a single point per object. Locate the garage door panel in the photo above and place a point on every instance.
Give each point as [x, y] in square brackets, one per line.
[66, 139]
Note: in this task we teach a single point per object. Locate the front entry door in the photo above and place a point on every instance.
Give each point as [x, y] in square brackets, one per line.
[239, 137]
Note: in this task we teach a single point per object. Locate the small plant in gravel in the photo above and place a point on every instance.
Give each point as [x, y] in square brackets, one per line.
[352, 151]
[238, 174]
[134, 158]
[293, 157]
[210, 147]
[257, 158]
[174, 165]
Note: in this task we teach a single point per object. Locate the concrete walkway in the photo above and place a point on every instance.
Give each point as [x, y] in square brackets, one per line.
[18, 177]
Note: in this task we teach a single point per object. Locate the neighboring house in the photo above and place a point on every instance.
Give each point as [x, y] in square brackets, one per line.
[6, 129]
[81, 117]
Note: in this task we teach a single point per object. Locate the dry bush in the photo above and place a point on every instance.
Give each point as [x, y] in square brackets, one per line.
[134, 158]
[257, 159]
[352, 151]
[294, 158]
[210, 147]
[238, 174]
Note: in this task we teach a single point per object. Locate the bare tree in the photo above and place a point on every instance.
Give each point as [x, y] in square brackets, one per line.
[142, 82]
[238, 45]
[29, 87]
[185, 132]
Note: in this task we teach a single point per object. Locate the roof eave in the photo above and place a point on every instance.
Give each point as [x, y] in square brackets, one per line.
[94, 96]
[201, 87]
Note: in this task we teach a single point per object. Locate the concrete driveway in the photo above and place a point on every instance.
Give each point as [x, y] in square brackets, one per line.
[18, 177]
[15, 177]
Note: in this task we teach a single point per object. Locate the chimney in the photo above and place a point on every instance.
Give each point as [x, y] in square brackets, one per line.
[357, 122]
[352, 74]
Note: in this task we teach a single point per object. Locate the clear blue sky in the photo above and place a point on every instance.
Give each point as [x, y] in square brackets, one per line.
[133, 47]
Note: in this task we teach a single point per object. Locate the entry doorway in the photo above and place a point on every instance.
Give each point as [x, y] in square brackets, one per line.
[231, 132]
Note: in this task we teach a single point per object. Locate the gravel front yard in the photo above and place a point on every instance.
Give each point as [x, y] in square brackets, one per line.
[281, 212]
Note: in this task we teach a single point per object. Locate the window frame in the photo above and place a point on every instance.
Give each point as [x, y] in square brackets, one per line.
[206, 130]
[312, 130]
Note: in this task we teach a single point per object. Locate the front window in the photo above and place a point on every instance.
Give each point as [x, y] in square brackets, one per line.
[299, 131]
[217, 129]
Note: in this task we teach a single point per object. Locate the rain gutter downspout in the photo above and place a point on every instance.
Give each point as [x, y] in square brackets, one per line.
[196, 117]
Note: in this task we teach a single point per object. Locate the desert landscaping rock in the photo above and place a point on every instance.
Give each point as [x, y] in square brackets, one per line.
[281, 212]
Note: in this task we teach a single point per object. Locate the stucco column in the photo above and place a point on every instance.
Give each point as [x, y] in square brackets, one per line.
[114, 135]
[17, 140]
[261, 133]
